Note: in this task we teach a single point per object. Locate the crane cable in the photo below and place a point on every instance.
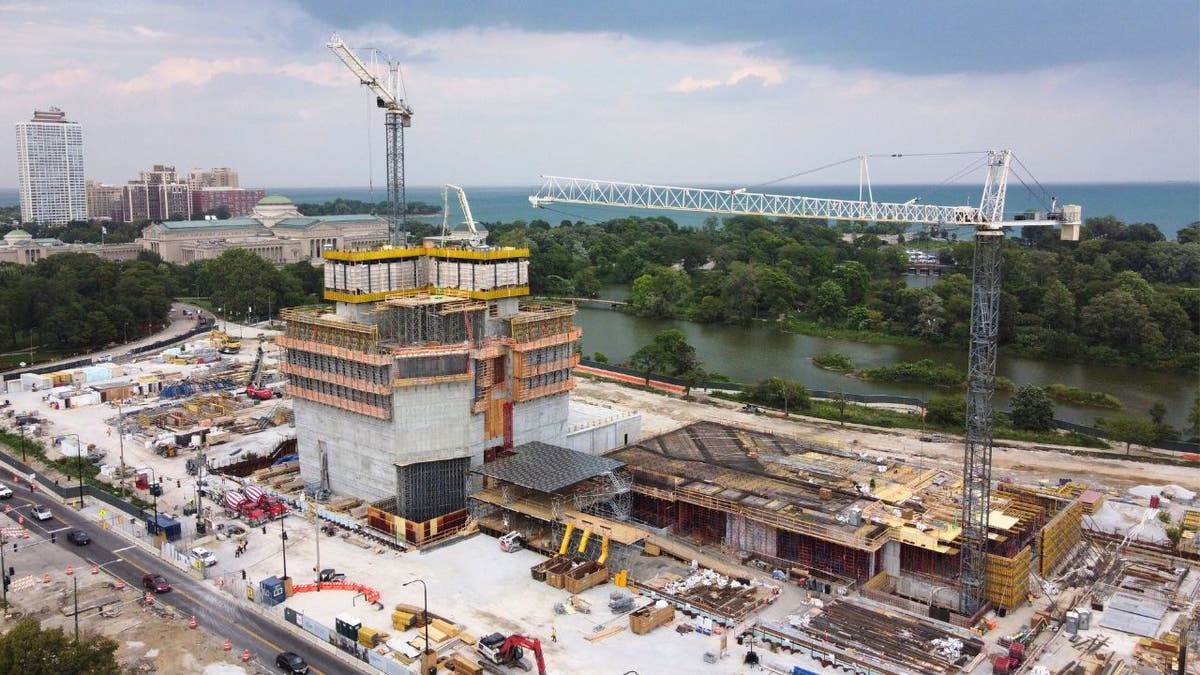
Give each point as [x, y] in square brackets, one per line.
[1045, 193]
[896, 155]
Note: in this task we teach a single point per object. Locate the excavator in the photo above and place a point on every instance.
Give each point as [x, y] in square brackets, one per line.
[254, 388]
[224, 343]
[508, 651]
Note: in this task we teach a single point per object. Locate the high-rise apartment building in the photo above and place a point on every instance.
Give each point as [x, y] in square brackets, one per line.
[218, 177]
[103, 201]
[50, 168]
[157, 194]
[237, 201]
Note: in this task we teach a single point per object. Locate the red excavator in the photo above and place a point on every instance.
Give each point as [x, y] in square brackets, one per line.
[507, 651]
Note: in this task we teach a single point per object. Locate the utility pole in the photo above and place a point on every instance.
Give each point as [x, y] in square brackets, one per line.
[121, 443]
[75, 584]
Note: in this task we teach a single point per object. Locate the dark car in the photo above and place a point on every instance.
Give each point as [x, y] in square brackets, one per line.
[79, 538]
[329, 574]
[291, 662]
[156, 583]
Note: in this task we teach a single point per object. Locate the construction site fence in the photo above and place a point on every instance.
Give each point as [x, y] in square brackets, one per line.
[1173, 446]
[68, 492]
[203, 327]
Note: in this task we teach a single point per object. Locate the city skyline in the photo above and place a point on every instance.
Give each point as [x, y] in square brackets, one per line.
[1083, 92]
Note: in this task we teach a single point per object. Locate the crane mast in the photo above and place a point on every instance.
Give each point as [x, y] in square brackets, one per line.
[988, 222]
[397, 116]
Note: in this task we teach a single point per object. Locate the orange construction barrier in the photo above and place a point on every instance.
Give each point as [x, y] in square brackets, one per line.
[70, 570]
[192, 623]
[45, 578]
[26, 533]
[245, 655]
[228, 645]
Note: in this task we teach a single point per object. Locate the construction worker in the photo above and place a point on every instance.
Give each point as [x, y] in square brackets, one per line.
[553, 634]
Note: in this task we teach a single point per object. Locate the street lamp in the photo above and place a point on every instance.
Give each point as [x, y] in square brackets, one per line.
[283, 542]
[425, 612]
[121, 442]
[155, 488]
[21, 429]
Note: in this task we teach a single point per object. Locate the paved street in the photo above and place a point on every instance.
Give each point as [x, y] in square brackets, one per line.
[216, 612]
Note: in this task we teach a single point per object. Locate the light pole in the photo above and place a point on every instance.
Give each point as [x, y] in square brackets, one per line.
[21, 429]
[75, 584]
[283, 542]
[6, 579]
[121, 442]
[155, 488]
[425, 612]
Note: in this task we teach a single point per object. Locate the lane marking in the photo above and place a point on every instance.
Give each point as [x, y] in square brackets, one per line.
[123, 548]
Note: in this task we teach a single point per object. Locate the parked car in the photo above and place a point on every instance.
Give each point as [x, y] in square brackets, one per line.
[5, 492]
[41, 512]
[752, 409]
[79, 538]
[156, 583]
[203, 556]
[329, 574]
[291, 662]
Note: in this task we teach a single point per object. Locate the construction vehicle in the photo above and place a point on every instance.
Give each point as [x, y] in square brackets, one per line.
[989, 225]
[508, 651]
[397, 115]
[254, 386]
[224, 343]
[511, 542]
[473, 238]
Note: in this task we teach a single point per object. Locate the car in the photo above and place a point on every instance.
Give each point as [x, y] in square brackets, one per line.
[752, 409]
[41, 512]
[156, 583]
[291, 662]
[329, 574]
[5, 492]
[79, 538]
[203, 556]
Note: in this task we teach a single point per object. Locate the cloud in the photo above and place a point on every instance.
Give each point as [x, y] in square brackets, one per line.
[150, 33]
[196, 72]
[767, 75]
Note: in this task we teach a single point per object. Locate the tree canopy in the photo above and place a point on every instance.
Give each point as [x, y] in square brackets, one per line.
[30, 650]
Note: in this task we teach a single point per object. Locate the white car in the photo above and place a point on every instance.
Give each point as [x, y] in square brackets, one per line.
[42, 512]
[5, 492]
[203, 556]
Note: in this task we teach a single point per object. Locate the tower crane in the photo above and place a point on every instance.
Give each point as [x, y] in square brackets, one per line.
[397, 115]
[988, 222]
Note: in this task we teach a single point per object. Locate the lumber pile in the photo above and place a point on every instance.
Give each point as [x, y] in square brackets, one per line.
[343, 503]
[604, 633]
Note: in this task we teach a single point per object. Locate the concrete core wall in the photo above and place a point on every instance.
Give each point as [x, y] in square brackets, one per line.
[542, 419]
[599, 438]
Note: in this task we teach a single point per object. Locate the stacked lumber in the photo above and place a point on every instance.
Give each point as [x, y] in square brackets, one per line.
[465, 664]
[342, 503]
[604, 633]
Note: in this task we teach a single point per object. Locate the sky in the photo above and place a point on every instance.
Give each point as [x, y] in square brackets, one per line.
[671, 92]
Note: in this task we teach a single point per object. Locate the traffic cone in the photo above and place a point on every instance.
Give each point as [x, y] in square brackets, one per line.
[149, 599]
[120, 584]
[70, 570]
[95, 569]
[228, 645]
[26, 533]
[192, 622]
[45, 578]
[245, 655]
[8, 508]
[20, 520]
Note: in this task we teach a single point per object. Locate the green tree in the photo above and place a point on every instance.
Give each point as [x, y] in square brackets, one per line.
[661, 293]
[669, 354]
[648, 359]
[947, 410]
[1194, 416]
[1058, 306]
[1032, 409]
[1128, 430]
[830, 300]
[855, 279]
[777, 392]
[29, 649]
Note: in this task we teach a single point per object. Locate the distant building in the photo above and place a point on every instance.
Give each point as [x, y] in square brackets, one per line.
[274, 230]
[217, 177]
[50, 168]
[157, 194]
[19, 247]
[103, 201]
[238, 201]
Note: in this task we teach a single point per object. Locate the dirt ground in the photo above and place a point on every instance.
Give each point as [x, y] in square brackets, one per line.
[148, 641]
[1016, 459]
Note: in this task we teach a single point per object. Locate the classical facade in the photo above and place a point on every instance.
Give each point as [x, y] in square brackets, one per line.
[274, 230]
[19, 247]
[50, 168]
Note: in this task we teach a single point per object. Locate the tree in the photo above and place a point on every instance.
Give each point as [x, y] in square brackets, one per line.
[29, 649]
[661, 293]
[947, 410]
[669, 354]
[1128, 430]
[1032, 409]
[648, 359]
[830, 300]
[777, 392]
[1058, 306]
[1194, 416]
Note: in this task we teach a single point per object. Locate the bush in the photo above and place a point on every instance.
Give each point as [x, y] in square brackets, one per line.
[777, 392]
[831, 361]
[1096, 399]
[921, 372]
[599, 357]
[948, 410]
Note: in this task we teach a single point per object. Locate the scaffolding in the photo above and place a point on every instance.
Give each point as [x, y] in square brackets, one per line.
[424, 319]
[430, 489]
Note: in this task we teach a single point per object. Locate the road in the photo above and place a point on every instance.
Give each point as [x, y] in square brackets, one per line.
[219, 614]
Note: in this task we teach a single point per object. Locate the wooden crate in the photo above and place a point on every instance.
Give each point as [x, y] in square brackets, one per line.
[650, 617]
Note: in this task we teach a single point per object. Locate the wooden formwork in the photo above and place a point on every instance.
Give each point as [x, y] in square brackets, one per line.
[1059, 537]
[1008, 579]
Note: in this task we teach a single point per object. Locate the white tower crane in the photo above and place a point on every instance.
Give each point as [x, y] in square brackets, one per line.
[988, 222]
[397, 116]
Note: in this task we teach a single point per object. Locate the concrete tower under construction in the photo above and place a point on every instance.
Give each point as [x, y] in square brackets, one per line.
[433, 360]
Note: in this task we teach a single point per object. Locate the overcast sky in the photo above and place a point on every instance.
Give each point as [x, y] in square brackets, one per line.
[682, 92]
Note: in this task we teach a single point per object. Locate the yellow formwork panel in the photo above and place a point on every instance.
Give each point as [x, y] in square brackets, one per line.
[1060, 536]
[1008, 579]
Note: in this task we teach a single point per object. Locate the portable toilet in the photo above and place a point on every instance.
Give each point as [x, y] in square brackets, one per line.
[271, 589]
[347, 626]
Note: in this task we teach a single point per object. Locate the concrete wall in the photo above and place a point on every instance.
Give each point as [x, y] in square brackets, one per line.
[542, 419]
[600, 438]
[429, 423]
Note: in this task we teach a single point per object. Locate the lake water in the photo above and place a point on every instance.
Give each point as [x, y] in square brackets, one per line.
[1171, 206]
[752, 353]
